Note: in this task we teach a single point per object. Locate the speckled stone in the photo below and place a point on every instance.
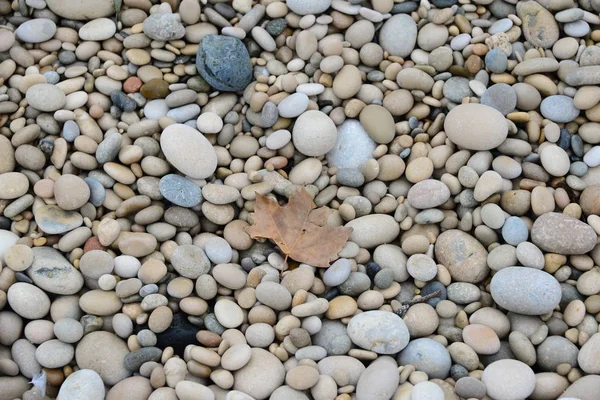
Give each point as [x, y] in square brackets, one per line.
[224, 62]
[559, 233]
[525, 290]
[180, 191]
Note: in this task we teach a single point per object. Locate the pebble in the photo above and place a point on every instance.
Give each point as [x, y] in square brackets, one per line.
[525, 290]
[379, 331]
[314, 133]
[84, 382]
[463, 255]
[547, 233]
[224, 63]
[559, 108]
[180, 191]
[487, 128]
[188, 151]
[428, 356]
[398, 35]
[353, 146]
[164, 26]
[36, 30]
[45, 97]
[305, 7]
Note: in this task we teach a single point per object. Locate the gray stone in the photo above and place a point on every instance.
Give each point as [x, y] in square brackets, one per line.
[556, 350]
[496, 61]
[427, 355]
[500, 96]
[97, 191]
[163, 26]
[224, 63]
[559, 108]
[54, 220]
[180, 191]
[333, 337]
[525, 290]
[134, 360]
[305, 7]
[70, 131]
[356, 283]
[109, 148]
[379, 381]
[53, 273]
[351, 177]
[36, 30]
[337, 273]
[380, 331]
[514, 231]
[398, 35]
[457, 88]
[559, 233]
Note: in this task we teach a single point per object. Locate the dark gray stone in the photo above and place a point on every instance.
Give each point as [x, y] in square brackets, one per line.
[134, 360]
[180, 191]
[556, 350]
[276, 26]
[121, 100]
[224, 63]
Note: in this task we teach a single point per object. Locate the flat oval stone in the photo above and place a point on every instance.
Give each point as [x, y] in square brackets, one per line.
[559, 233]
[104, 353]
[476, 126]
[463, 255]
[224, 63]
[525, 290]
[373, 230]
[380, 331]
[559, 108]
[54, 220]
[98, 29]
[428, 193]
[180, 191]
[36, 30]
[261, 376]
[46, 97]
[188, 151]
[54, 273]
[379, 381]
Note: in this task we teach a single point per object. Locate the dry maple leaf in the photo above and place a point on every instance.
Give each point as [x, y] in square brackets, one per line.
[299, 229]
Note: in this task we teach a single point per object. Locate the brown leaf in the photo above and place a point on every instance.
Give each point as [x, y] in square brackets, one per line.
[298, 228]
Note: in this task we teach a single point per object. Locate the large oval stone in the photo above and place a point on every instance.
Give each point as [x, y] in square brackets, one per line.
[476, 126]
[373, 230]
[559, 233]
[188, 151]
[463, 255]
[525, 290]
[54, 273]
[380, 331]
[85, 383]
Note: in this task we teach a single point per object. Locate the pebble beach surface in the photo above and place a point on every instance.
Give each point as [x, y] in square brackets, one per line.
[460, 140]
